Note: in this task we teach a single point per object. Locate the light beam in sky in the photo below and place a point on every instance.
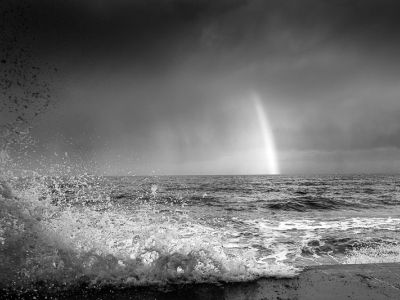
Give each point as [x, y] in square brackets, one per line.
[267, 136]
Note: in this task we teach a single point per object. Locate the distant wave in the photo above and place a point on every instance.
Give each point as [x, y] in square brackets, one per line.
[307, 203]
[337, 246]
[302, 203]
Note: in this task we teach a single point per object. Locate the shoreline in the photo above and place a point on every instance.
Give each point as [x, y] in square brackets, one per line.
[361, 281]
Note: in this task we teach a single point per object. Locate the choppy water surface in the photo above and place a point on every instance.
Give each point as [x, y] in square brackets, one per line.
[159, 230]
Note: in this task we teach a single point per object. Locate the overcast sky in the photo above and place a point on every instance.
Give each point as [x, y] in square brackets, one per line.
[165, 87]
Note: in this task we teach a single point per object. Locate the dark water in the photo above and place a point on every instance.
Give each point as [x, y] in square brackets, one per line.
[136, 231]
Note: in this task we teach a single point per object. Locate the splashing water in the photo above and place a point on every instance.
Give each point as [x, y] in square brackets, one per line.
[115, 230]
[72, 227]
[65, 230]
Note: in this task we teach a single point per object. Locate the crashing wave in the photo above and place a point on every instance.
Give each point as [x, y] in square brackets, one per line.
[42, 240]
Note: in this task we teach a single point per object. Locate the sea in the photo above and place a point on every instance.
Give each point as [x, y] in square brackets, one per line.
[64, 231]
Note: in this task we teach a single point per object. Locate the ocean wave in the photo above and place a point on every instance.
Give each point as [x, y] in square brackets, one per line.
[230, 193]
[306, 203]
[343, 246]
[136, 232]
[312, 241]
[42, 240]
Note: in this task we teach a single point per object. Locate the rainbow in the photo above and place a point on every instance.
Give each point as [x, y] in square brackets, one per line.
[271, 160]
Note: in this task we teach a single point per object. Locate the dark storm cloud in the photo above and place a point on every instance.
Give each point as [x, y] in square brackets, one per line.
[88, 31]
[235, 30]
[163, 78]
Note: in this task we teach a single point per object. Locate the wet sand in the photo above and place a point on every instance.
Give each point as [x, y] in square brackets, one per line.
[369, 281]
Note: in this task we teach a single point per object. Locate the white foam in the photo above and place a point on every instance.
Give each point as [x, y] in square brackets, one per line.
[374, 254]
[139, 246]
[268, 226]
